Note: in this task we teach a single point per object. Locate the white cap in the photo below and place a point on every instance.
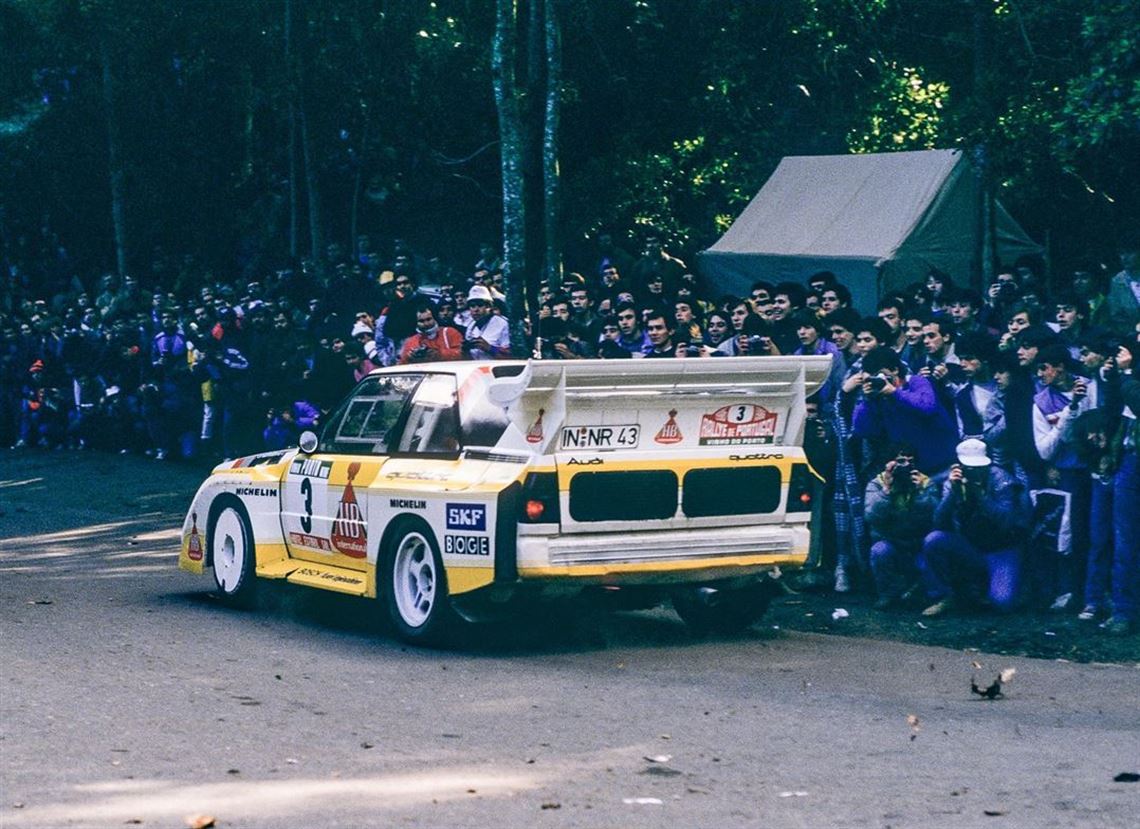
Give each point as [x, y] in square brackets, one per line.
[479, 292]
[972, 452]
[361, 328]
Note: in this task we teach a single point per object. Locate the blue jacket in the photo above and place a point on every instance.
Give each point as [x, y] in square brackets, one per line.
[911, 415]
[997, 520]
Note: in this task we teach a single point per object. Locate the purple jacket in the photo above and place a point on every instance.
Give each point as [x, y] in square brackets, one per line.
[911, 415]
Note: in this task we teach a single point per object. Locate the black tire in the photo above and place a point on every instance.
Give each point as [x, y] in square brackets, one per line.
[233, 555]
[708, 610]
[415, 585]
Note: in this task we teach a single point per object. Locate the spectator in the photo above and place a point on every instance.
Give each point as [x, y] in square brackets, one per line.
[630, 337]
[659, 329]
[900, 409]
[488, 335]
[981, 523]
[900, 505]
[1123, 302]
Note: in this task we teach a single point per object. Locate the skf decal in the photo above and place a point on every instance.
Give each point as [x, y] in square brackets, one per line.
[534, 433]
[670, 432]
[333, 577]
[738, 424]
[406, 503]
[310, 468]
[467, 545]
[471, 517]
[349, 535]
[194, 546]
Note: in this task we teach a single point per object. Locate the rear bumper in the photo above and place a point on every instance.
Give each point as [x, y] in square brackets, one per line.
[663, 557]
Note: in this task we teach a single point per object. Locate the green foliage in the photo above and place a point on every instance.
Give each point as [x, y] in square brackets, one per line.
[673, 113]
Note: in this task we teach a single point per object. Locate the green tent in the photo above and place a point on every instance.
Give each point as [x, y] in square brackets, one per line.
[878, 221]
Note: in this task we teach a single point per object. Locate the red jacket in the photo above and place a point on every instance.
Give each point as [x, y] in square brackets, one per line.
[447, 344]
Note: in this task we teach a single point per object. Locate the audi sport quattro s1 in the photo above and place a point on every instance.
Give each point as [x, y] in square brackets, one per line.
[447, 490]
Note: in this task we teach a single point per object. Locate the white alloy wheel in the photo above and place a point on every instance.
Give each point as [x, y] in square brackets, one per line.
[232, 555]
[415, 580]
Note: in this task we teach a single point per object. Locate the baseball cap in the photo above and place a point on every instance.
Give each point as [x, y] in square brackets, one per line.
[972, 452]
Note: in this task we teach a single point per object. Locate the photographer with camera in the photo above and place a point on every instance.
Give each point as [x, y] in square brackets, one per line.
[981, 523]
[488, 335]
[900, 503]
[899, 409]
[431, 341]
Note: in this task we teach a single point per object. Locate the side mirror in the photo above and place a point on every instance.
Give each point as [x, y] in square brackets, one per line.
[308, 442]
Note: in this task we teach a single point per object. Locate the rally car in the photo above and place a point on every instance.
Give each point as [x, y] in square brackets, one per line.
[450, 490]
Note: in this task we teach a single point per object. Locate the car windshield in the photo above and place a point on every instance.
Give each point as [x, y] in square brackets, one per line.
[367, 423]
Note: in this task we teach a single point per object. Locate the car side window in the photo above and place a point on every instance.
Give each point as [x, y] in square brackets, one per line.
[368, 423]
[432, 425]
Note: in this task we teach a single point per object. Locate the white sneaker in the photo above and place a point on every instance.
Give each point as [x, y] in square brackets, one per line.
[1062, 602]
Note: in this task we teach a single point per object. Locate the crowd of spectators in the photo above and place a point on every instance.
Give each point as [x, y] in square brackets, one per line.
[978, 447]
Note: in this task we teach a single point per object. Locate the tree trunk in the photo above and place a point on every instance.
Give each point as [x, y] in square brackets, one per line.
[291, 91]
[551, 177]
[511, 145]
[114, 157]
[354, 219]
[312, 190]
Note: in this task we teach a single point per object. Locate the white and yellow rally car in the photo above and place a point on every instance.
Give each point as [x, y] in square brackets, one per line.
[449, 489]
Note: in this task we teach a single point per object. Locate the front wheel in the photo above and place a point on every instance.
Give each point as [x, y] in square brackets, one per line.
[709, 610]
[415, 586]
[230, 542]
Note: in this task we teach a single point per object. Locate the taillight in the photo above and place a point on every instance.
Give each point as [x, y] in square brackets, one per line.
[540, 499]
[802, 488]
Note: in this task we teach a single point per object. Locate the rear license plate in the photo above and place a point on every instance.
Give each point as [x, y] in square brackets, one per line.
[601, 437]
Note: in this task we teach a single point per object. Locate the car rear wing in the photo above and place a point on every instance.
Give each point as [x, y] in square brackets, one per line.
[561, 405]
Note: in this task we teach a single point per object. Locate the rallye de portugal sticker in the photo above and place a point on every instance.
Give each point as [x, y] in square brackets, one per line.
[738, 424]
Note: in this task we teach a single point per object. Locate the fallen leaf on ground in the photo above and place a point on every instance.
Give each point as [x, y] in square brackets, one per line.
[658, 758]
[994, 812]
[839, 613]
[1127, 777]
[915, 725]
[551, 806]
[976, 665]
[200, 821]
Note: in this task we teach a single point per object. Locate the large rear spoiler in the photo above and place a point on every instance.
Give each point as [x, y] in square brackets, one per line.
[554, 388]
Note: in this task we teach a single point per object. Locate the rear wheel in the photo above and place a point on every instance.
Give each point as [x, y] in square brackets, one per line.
[232, 556]
[710, 610]
[415, 586]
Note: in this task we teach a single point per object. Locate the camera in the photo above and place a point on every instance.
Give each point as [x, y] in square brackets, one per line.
[1007, 290]
[757, 343]
[692, 350]
[900, 477]
[877, 383]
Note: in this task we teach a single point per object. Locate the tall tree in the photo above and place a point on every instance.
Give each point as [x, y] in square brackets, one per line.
[512, 152]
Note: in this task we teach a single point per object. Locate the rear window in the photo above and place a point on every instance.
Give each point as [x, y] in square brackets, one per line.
[623, 496]
[743, 490]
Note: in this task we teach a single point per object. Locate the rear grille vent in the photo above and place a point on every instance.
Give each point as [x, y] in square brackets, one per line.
[746, 490]
[641, 495]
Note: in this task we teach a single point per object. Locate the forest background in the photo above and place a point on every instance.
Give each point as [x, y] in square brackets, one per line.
[249, 134]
